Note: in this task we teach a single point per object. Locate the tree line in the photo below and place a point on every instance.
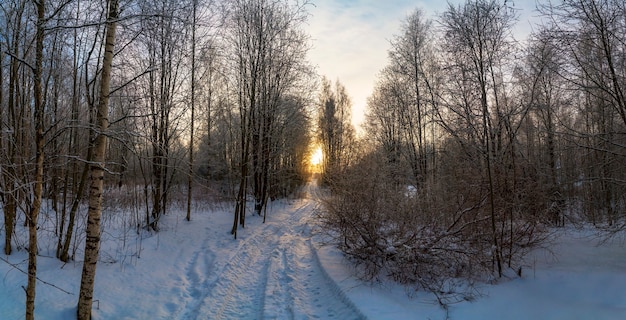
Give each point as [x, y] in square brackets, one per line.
[477, 143]
[149, 103]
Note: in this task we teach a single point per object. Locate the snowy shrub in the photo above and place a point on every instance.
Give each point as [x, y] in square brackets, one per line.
[438, 239]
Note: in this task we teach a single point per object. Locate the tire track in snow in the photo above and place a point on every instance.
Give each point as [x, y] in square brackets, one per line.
[279, 300]
[298, 286]
[239, 290]
[233, 274]
[314, 295]
[272, 273]
[196, 281]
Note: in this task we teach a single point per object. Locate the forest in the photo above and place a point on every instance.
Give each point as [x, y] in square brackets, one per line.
[476, 145]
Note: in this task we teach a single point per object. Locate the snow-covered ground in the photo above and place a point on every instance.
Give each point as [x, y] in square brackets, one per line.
[280, 270]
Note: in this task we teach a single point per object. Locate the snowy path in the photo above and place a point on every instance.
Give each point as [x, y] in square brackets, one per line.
[273, 273]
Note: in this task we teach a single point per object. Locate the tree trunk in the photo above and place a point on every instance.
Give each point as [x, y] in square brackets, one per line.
[92, 242]
[72, 173]
[10, 175]
[64, 254]
[39, 163]
[193, 109]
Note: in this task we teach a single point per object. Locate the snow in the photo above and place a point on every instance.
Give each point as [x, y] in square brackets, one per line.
[575, 279]
[283, 270]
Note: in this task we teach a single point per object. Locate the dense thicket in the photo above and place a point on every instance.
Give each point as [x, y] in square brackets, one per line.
[478, 143]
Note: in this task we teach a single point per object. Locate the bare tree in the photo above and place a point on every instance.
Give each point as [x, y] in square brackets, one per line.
[219, 141]
[12, 134]
[335, 130]
[590, 36]
[269, 50]
[477, 34]
[383, 121]
[33, 216]
[480, 207]
[97, 160]
[412, 62]
[77, 150]
[291, 139]
[545, 93]
[164, 39]
[193, 108]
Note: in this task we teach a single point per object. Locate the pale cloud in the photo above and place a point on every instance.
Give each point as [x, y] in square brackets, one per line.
[350, 39]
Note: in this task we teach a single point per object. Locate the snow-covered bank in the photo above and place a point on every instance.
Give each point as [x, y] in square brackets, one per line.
[276, 270]
[576, 279]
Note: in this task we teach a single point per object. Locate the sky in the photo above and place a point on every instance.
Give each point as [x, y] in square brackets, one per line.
[350, 38]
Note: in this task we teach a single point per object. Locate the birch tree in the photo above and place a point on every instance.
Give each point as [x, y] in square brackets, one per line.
[97, 160]
[39, 106]
[83, 75]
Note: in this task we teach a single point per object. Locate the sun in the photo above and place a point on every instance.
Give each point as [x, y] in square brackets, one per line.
[316, 156]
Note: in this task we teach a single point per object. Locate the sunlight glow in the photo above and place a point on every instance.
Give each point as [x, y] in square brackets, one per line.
[317, 156]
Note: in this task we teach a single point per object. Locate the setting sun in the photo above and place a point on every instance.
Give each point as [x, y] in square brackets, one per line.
[316, 156]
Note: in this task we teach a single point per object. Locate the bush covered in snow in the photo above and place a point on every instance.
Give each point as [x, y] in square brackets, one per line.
[438, 237]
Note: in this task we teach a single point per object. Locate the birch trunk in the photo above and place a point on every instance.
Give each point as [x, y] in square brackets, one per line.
[96, 171]
[39, 163]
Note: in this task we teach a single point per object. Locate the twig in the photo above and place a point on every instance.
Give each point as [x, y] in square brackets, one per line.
[42, 281]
